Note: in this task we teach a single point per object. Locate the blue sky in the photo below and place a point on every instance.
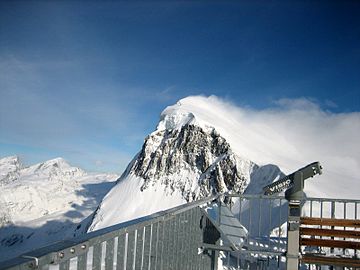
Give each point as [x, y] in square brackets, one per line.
[88, 80]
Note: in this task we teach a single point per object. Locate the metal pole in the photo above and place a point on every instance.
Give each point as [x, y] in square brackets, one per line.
[294, 196]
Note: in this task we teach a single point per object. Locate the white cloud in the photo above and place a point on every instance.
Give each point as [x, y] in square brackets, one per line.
[291, 134]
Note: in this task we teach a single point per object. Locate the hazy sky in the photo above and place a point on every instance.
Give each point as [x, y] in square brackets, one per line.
[87, 80]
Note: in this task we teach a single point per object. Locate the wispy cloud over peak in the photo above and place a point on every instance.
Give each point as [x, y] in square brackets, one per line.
[302, 104]
[290, 134]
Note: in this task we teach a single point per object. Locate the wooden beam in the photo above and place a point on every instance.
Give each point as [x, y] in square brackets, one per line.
[329, 243]
[334, 261]
[330, 233]
[330, 222]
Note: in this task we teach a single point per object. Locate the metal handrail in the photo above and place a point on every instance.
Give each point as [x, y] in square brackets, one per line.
[55, 253]
[49, 254]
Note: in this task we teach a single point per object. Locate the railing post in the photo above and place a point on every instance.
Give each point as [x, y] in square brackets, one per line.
[295, 196]
[219, 206]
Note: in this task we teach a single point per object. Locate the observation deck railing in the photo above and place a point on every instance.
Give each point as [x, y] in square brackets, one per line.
[185, 238]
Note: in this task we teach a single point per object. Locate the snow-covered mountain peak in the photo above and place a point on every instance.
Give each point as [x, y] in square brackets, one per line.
[9, 159]
[175, 120]
[53, 163]
[185, 112]
[192, 153]
[193, 108]
[57, 168]
[10, 163]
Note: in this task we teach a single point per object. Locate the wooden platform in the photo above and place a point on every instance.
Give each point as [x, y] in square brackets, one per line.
[338, 233]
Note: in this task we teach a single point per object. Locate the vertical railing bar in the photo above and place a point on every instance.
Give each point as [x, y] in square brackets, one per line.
[198, 262]
[279, 233]
[321, 216]
[103, 255]
[270, 221]
[135, 246]
[344, 227]
[120, 251]
[355, 206]
[311, 208]
[109, 254]
[162, 245]
[192, 233]
[260, 217]
[150, 245]
[345, 204]
[172, 241]
[219, 203]
[321, 209]
[176, 238]
[250, 218]
[47, 267]
[126, 250]
[97, 255]
[81, 263]
[195, 233]
[332, 216]
[178, 242]
[169, 240]
[355, 251]
[64, 265]
[143, 248]
[240, 207]
[188, 230]
[188, 237]
[181, 238]
[157, 244]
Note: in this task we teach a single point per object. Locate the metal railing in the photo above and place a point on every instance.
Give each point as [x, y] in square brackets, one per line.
[265, 218]
[175, 239]
[165, 240]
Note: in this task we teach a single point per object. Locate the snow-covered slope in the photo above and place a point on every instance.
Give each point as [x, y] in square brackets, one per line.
[184, 159]
[45, 202]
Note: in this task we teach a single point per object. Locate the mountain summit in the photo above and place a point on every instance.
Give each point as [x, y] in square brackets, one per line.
[184, 159]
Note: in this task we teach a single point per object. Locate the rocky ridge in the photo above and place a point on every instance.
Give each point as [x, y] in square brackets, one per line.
[199, 162]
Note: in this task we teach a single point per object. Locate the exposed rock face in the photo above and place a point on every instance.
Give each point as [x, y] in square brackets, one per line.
[9, 169]
[196, 161]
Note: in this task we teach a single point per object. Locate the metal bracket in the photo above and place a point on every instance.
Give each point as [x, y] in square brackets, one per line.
[67, 254]
[34, 264]
[298, 256]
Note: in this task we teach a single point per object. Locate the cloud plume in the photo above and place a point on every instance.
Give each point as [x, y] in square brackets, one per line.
[291, 133]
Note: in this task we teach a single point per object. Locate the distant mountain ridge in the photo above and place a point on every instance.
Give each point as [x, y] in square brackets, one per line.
[45, 202]
[32, 192]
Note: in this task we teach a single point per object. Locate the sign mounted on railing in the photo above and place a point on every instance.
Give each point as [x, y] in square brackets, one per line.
[278, 186]
[288, 181]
